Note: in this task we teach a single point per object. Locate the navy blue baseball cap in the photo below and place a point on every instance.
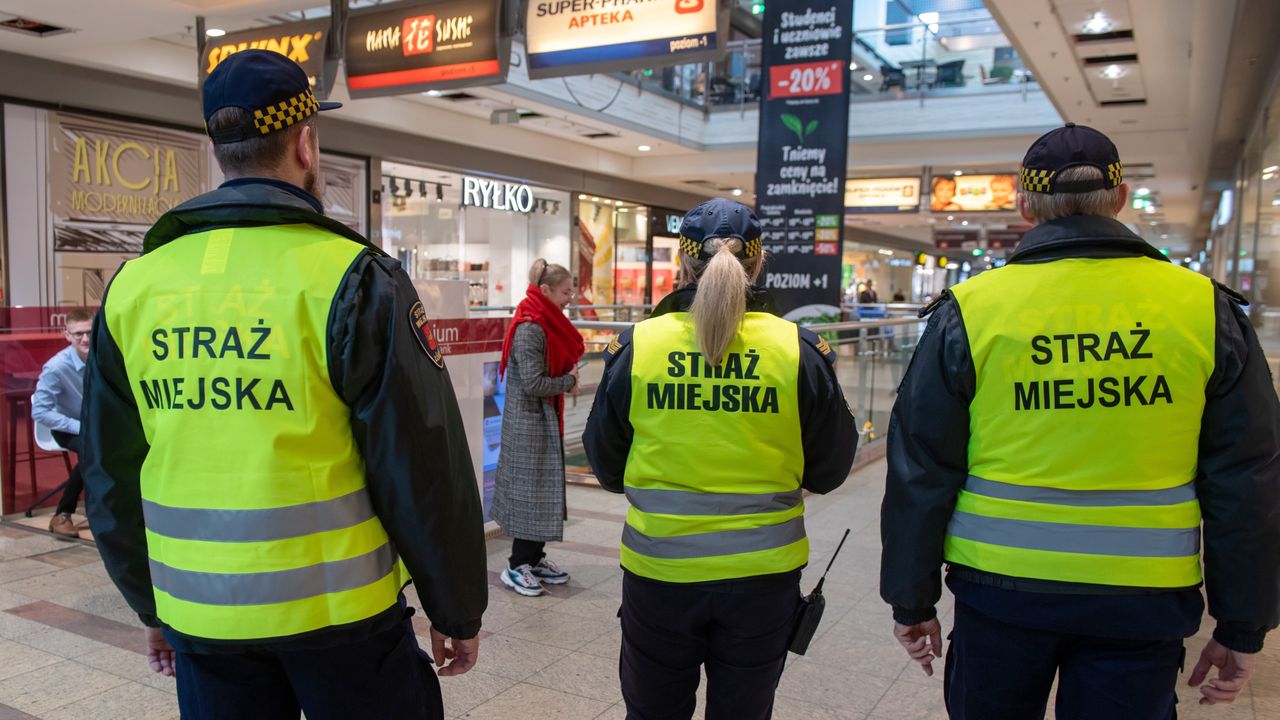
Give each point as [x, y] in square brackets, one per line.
[719, 218]
[1067, 147]
[270, 87]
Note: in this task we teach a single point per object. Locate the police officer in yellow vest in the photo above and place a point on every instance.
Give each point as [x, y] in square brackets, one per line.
[712, 417]
[272, 444]
[1068, 425]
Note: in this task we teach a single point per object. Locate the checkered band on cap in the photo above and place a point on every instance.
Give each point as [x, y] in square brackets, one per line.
[753, 248]
[286, 112]
[1115, 174]
[1038, 181]
[694, 249]
[690, 247]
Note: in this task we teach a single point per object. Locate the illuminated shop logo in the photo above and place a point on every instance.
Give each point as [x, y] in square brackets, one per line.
[420, 35]
[295, 47]
[497, 195]
[689, 6]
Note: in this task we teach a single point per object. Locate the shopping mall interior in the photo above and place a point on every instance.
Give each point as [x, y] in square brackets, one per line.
[503, 138]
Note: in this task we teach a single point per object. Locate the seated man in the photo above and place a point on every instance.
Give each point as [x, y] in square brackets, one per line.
[56, 405]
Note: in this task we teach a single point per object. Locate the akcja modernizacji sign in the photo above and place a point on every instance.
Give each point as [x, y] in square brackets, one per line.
[803, 148]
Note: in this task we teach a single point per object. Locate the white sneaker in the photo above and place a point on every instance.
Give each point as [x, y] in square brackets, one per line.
[550, 573]
[522, 580]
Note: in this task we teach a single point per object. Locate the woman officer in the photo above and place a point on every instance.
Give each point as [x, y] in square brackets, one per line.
[712, 416]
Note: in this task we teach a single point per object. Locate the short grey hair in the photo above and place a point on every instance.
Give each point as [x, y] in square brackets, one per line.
[257, 154]
[1044, 207]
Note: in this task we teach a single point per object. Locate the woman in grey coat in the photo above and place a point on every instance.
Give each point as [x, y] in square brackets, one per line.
[540, 357]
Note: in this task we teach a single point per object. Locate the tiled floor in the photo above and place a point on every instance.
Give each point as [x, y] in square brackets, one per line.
[69, 647]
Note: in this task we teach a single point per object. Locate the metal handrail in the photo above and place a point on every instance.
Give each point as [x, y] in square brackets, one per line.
[820, 328]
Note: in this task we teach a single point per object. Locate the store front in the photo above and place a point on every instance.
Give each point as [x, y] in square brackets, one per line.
[445, 225]
[628, 255]
[80, 193]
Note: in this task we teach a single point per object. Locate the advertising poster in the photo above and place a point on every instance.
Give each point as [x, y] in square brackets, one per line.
[110, 181]
[955, 239]
[973, 193]
[804, 141]
[302, 42]
[882, 195]
[495, 397]
[415, 46]
[575, 37]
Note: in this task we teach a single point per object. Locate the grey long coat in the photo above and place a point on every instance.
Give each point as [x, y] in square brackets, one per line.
[528, 493]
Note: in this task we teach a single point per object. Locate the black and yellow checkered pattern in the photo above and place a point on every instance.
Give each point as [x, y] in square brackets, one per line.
[1038, 181]
[1115, 174]
[286, 112]
[693, 248]
[754, 247]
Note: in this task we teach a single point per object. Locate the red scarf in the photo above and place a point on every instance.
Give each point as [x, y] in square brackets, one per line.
[564, 342]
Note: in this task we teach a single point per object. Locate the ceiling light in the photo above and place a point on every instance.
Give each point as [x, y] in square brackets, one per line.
[1269, 170]
[644, 148]
[951, 217]
[617, 202]
[853, 66]
[1164, 237]
[868, 77]
[434, 93]
[623, 210]
[736, 192]
[439, 192]
[1113, 72]
[958, 173]
[1097, 23]
[595, 199]
[964, 222]
[1142, 192]
[582, 197]
[215, 32]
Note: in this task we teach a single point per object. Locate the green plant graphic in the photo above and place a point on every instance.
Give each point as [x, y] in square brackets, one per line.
[797, 126]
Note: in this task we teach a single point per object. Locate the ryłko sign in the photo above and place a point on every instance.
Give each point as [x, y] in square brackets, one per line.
[497, 195]
[416, 46]
[572, 37]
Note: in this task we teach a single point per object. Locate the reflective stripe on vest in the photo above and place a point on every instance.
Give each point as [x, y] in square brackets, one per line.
[713, 475]
[1085, 423]
[258, 520]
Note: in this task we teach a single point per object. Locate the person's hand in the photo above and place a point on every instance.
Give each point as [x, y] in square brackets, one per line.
[577, 383]
[922, 642]
[159, 655]
[1234, 671]
[461, 654]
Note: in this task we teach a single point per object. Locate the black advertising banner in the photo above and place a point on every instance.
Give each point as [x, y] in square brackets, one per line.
[955, 239]
[302, 42]
[418, 46]
[804, 141]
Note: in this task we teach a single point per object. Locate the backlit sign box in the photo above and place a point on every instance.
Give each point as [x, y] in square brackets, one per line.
[418, 46]
[576, 37]
[497, 195]
[302, 42]
[882, 195]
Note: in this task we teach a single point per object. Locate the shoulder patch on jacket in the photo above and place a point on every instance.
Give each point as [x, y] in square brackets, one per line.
[819, 343]
[937, 303]
[425, 336]
[1234, 296]
[618, 342]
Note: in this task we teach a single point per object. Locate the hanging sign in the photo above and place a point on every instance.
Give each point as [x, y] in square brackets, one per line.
[803, 147]
[415, 46]
[302, 42]
[956, 239]
[576, 37]
[882, 195]
[973, 193]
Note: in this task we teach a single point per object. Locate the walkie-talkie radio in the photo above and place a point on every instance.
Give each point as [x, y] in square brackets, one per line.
[811, 608]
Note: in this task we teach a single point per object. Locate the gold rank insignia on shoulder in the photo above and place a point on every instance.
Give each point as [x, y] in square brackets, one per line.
[823, 346]
[425, 335]
[614, 347]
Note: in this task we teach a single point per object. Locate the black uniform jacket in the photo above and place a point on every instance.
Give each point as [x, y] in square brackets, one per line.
[1238, 481]
[827, 431]
[403, 412]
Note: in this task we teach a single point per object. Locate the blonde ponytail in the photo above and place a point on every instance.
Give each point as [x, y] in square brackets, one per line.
[721, 301]
[544, 273]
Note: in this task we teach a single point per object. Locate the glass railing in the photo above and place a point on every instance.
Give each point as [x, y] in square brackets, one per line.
[872, 357]
[911, 60]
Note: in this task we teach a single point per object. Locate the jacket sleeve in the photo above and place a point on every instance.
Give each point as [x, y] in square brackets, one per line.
[44, 405]
[1238, 485]
[928, 461]
[529, 366]
[409, 430]
[114, 450]
[607, 438]
[828, 431]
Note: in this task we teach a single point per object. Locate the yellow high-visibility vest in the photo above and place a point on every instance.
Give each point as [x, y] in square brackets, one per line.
[1085, 424]
[258, 519]
[716, 462]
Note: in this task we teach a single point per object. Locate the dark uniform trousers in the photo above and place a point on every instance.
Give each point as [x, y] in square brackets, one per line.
[383, 677]
[738, 630]
[998, 671]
